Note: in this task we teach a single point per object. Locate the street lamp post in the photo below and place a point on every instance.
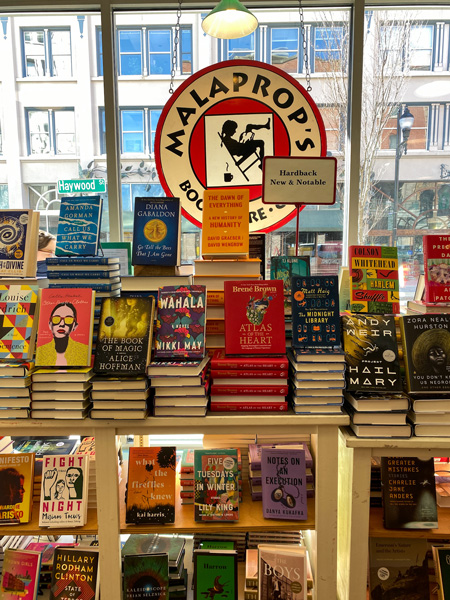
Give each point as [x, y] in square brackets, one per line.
[405, 122]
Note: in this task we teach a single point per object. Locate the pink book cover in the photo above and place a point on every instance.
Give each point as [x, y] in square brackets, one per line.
[20, 575]
[436, 267]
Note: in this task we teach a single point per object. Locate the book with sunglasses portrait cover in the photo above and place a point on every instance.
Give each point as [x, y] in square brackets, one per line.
[66, 319]
[79, 222]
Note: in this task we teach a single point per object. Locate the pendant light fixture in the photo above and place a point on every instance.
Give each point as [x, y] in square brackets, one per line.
[229, 20]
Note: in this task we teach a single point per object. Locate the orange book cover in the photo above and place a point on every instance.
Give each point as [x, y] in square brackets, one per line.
[225, 227]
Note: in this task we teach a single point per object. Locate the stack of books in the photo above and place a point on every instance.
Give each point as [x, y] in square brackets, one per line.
[375, 482]
[256, 383]
[254, 538]
[87, 447]
[229, 540]
[187, 476]
[378, 415]
[61, 393]
[15, 388]
[47, 550]
[316, 380]
[120, 397]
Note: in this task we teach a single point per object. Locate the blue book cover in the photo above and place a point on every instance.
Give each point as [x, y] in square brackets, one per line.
[79, 226]
[315, 312]
[157, 231]
[284, 268]
[82, 261]
[83, 274]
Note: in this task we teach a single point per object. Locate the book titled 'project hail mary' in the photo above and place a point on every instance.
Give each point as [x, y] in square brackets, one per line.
[79, 226]
[156, 232]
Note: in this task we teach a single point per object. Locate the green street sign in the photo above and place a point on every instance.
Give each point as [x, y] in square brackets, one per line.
[78, 186]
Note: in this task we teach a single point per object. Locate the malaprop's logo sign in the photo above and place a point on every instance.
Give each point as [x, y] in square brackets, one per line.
[220, 123]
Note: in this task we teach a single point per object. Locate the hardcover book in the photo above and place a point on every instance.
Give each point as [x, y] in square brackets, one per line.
[409, 493]
[180, 322]
[281, 572]
[79, 226]
[441, 556]
[436, 261]
[254, 317]
[18, 321]
[16, 488]
[371, 353]
[374, 279]
[315, 312]
[19, 233]
[64, 491]
[283, 478]
[398, 568]
[156, 544]
[215, 572]
[150, 494]
[225, 223]
[75, 574]
[284, 268]
[216, 485]
[426, 348]
[157, 232]
[257, 249]
[146, 577]
[66, 320]
[124, 338]
[20, 575]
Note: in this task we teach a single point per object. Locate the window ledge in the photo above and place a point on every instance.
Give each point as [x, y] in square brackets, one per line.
[51, 157]
[46, 80]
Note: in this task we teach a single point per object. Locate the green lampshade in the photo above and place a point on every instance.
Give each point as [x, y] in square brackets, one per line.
[229, 20]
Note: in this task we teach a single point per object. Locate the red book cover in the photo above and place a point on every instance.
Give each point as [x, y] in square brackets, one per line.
[239, 373]
[248, 407]
[259, 363]
[249, 390]
[436, 266]
[254, 317]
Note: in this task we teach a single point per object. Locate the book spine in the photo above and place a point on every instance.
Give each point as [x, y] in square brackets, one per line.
[79, 260]
[250, 407]
[254, 363]
[55, 274]
[249, 390]
[238, 373]
[100, 287]
[215, 297]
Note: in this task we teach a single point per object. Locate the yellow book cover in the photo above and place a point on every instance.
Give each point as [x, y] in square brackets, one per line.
[225, 227]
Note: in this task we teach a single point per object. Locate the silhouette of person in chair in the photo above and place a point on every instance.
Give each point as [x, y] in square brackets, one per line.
[246, 145]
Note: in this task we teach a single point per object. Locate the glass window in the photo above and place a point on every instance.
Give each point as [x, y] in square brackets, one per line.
[418, 138]
[4, 197]
[99, 53]
[51, 131]
[186, 51]
[34, 53]
[328, 43]
[154, 117]
[47, 52]
[284, 45]
[331, 117]
[39, 131]
[130, 52]
[421, 47]
[159, 47]
[243, 48]
[64, 131]
[132, 122]
[102, 129]
[61, 59]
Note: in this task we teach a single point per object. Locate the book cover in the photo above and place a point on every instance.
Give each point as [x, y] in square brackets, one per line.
[156, 544]
[215, 574]
[409, 493]
[281, 572]
[20, 575]
[426, 349]
[64, 490]
[283, 478]
[216, 485]
[64, 336]
[47, 550]
[374, 285]
[225, 223]
[371, 353]
[145, 577]
[124, 336]
[75, 574]
[254, 317]
[18, 242]
[315, 312]
[398, 569]
[47, 446]
[16, 488]
[79, 222]
[18, 321]
[436, 263]
[441, 555]
[157, 231]
[284, 268]
[150, 494]
[180, 322]
[255, 453]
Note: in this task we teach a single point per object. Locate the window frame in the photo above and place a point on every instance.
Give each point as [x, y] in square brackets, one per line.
[52, 134]
[148, 131]
[48, 54]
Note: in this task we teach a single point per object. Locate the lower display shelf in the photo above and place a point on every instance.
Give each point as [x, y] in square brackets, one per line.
[376, 528]
[32, 528]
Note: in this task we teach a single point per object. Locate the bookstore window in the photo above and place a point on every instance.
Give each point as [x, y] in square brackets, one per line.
[284, 48]
[46, 53]
[137, 130]
[51, 131]
[418, 139]
[329, 47]
[129, 44]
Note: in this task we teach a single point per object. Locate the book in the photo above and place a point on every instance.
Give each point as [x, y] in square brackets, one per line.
[82, 263]
[180, 323]
[62, 375]
[251, 567]
[398, 568]
[215, 572]
[254, 317]
[436, 261]
[64, 491]
[121, 250]
[283, 474]
[371, 353]
[315, 312]
[150, 494]
[156, 544]
[257, 249]
[441, 557]
[377, 402]
[66, 320]
[225, 223]
[382, 431]
[220, 360]
[374, 279]
[409, 493]
[75, 574]
[419, 306]
[18, 321]
[138, 382]
[47, 446]
[19, 232]
[157, 231]
[62, 276]
[284, 268]
[216, 485]
[246, 406]
[248, 389]
[344, 288]
[20, 574]
[145, 576]
[313, 355]
[124, 336]
[149, 285]
[16, 369]
[281, 571]
[16, 488]
[426, 344]
[376, 418]
[79, 226]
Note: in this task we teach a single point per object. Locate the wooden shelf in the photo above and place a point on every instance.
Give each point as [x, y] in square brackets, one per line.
[377, 529]
[32, 528]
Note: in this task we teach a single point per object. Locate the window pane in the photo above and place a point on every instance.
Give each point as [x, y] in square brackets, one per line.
[34, 49]
[65, 132]
[159, 41]
[243, 48]
[60, 50]
[39, 132]
[327, 48]
[130, 64]
[130, 41]
[284, 52]
[160, 64]
[132, 131]
[130, 49]
[99, 53]
[132, 120]
[186, 51]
